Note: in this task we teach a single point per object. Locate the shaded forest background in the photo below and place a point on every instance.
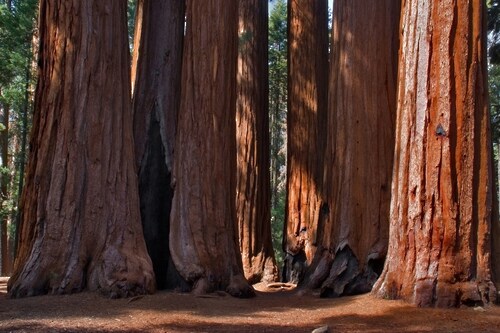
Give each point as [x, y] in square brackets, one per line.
[18, 47]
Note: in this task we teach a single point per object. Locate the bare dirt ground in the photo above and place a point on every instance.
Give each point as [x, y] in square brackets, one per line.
[279, 311]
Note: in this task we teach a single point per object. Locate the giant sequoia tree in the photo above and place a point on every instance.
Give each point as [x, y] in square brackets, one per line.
[441, 209]
[307, 97]
[203, 237]
[252, 138]
[80, 209]
[156, 68]
[361, 114]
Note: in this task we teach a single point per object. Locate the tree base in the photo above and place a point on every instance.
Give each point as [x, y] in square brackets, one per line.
[340, 275]
[238, 287]
[115, 275]
[429, 293]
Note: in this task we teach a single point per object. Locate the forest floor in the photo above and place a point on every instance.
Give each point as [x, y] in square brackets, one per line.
[278, 311]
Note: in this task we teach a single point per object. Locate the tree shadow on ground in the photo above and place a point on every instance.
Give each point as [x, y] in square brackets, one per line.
[268, 312]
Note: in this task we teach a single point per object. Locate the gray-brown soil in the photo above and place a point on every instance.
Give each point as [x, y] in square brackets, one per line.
[278, 311]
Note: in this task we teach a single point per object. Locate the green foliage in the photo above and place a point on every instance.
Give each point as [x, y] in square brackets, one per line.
[494, 67]
[131, 6]
[494, 31]
[277, 116]
[277, 220]
[494, 89]
[17, 26]
[16, 30]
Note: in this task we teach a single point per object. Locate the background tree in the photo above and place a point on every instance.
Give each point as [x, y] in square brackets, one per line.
[156, 67]
[80, 208]
[203, 235]
[494, 94]
[252, 139]
[441, 209]
[307, 102]
[493, 26]
[278, 80]
[17, 22]
[131, 17]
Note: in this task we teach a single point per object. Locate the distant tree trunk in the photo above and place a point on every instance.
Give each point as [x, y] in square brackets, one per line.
[495, 231]
[26, 119]
[252, 138]
[307, 102]
[5, 263]
[353, 236]
[440, 243]
[203, 235]
[156, 66]
[80, 209]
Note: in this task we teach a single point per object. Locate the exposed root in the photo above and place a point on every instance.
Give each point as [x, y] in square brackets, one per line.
[281, 285]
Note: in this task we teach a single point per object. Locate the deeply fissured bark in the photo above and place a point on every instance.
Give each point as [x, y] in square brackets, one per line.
[253, 196]
[156, 67]
[306, 129]
[354, 225]
[80, 209]
[203, 238]
[440, 245]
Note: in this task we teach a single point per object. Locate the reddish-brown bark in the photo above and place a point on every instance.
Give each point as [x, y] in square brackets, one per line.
[203, 236]
[307, 101]
[353, 234]
[80, 209]
[252, 139]
[156, 67]
[440, 244]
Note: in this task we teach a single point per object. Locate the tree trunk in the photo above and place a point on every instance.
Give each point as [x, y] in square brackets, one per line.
[26, 119]
[203, 236]
[5, 263]
[252, 138]
[307, 102]
[80, 209]
[441, 218]
[495, 230]
[353, 234]
[156, 67]
[5, 260]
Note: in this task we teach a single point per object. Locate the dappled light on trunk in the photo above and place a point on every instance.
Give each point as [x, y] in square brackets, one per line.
[306, 125]
[353, 230]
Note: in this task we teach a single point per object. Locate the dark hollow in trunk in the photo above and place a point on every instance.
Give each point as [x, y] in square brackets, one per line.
[156, 75]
